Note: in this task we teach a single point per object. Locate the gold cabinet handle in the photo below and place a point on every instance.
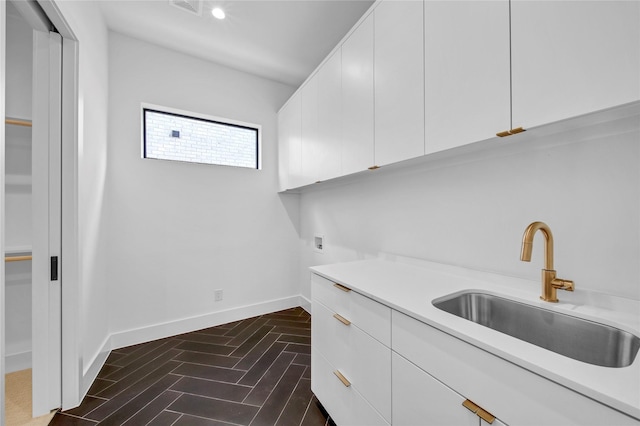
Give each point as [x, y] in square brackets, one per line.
[341, 287]
[374, 167]
[342, 319]
[485, 415]
[478, 411]
[342, 378]
[510, 132]
[470, 406]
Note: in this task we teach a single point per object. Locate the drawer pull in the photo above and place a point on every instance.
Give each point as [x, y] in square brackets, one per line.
[341, 287]
[510, 132]
[485, 415]
[470, 406]
[342, 319]
[475, 409]
[342, 378]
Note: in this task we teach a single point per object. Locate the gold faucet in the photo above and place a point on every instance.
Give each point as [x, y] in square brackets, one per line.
[550, 284]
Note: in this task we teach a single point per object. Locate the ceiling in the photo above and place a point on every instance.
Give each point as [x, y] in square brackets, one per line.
[282, 40]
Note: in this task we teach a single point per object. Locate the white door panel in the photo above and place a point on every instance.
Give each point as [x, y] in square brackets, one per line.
[46, 216]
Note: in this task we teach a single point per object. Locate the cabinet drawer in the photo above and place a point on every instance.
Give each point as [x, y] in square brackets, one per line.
[360, 357]
[486, 379]
[371, 316]
[345, 404]
[418, 396]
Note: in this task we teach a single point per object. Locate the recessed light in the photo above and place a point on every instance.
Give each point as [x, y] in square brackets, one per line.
[218, 13]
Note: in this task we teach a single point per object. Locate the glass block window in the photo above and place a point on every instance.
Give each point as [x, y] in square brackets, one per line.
[180, 136]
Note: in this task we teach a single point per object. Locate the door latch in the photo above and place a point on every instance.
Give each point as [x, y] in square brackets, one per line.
[54, 268]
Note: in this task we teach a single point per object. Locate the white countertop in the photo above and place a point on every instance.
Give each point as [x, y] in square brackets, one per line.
[410, 286]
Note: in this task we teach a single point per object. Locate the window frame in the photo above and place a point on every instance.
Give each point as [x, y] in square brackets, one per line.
[144, 107]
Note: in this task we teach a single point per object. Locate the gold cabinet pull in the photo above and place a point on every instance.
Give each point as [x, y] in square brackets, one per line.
[342, 319]
[342, 378]
[478, 411]
[341, 287]
[470, 406]
[510, 132]
[485, 415]
[374, 167]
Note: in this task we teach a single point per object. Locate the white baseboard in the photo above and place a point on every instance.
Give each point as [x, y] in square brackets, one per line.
[159, 331]
[305, 304]
[91, 372]
[17, 362]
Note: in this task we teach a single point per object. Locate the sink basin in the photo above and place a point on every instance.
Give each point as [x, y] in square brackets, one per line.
[576, 338]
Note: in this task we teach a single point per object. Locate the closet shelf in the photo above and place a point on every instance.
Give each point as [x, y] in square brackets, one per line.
[17, 122]
[17, 253]
[18, 258]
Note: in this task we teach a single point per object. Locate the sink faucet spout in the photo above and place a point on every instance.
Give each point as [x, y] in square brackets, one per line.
[550, 284]
[527, 243]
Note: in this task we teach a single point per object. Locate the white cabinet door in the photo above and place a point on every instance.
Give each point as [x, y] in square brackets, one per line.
[329, 146]
[361, 358]
[357, 99]
[343, 402]
[309, 132]
[418, 399]
[289, 167]
[399, 81]
[466, 72]
[573, 57]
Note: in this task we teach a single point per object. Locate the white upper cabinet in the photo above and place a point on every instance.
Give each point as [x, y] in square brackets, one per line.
[573, 57]
[466, 72]
[289, 145]
[357, 99]
[309, 132]
[399, 81]
[328, 150]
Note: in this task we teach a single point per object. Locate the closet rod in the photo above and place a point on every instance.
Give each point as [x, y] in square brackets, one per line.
[18, 122]
[17, 258]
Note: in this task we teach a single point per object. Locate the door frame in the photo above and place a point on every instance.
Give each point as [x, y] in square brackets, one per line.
[70, 259]
[70, 262]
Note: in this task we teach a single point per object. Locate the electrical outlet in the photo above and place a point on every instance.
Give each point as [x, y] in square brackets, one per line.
[217, 295]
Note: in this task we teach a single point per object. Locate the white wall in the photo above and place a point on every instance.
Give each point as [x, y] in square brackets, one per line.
[88, 26]
[474, 214]
[178, 231]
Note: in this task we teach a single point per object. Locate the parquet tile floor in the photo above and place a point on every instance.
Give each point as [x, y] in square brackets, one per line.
[251, 372]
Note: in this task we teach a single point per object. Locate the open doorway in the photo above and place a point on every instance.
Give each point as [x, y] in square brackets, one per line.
[32, 212]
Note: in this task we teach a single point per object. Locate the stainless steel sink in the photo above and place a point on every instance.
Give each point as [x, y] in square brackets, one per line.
[576, 338]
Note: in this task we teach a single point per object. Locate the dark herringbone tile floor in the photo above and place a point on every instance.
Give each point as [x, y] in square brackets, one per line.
[250, 372]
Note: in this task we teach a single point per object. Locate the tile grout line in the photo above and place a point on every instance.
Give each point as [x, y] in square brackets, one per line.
[258, 360]
[271, 391]
[147, 404]
[284, 407]
[307, 409]
[165, 408]
[137, 395]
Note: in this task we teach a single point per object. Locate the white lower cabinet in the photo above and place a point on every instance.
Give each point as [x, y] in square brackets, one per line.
[372, 365]
[344, 403]
[511, 393]
[350, 366]
[419, 399]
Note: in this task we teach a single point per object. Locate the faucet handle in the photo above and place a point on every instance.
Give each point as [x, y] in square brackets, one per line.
[561, 284]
